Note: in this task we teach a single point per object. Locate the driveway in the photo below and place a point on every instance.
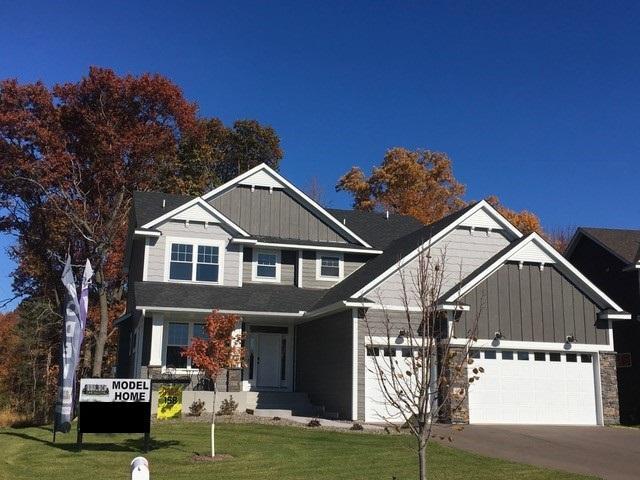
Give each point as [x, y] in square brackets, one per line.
[606, 452]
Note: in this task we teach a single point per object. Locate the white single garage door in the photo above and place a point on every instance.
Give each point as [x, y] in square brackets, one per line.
[377, 408]
[526, 387]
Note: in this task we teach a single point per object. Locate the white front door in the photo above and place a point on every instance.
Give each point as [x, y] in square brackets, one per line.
[268, 360]
[530, 387]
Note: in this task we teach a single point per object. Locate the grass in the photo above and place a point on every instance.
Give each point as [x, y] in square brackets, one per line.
[259, 452]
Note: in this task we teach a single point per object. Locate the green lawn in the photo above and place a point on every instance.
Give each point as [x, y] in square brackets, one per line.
[259, 452]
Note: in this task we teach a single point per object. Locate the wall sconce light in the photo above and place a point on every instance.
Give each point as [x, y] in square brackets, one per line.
[402, 334]
[571, 338]
[498, 335]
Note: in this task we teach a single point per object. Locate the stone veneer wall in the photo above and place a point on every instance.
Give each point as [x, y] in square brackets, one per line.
[457, 408]
[609, 388]
[229, 380]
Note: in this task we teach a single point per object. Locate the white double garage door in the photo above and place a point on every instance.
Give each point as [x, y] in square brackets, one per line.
[517, 387]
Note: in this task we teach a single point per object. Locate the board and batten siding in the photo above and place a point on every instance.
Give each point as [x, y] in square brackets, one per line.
[273, 214]
[156, 249]
[324, 360]
[464, 251]
[309, 266]
[530, 304]
[288, 266]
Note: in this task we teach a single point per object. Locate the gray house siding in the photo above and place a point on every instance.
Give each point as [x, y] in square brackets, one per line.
[463, 251]
[195, 230]
[273, 214]
[324, 362]
[136, 268]
[351, 263]
[288, 266]
[530, 304]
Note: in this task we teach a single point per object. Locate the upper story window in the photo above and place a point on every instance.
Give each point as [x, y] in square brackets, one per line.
[198, 261]
[329, 266]
[266, 265]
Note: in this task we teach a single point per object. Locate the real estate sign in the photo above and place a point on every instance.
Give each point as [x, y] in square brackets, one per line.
[114, 405]
[169, 402]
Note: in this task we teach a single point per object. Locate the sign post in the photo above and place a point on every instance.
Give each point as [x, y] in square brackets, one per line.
[115, 405]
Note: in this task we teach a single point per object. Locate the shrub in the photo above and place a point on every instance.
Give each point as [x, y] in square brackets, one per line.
[276, 419]
[356, 426]
[228, 406]
[314, 423]
[196, 408]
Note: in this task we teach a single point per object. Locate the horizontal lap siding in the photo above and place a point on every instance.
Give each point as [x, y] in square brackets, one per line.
[323, 361]
[527, 304]
[273, 214]
[463, 252]
[156, 249]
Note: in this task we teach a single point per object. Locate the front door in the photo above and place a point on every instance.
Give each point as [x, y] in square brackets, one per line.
[268, 360]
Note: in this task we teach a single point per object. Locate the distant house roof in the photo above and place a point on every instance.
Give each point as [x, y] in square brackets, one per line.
[623, 243]
[394, 252]
[251, 297]
[148, 206]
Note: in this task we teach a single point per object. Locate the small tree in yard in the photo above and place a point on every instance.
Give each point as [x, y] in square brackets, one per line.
[220, 349]
[428, 384]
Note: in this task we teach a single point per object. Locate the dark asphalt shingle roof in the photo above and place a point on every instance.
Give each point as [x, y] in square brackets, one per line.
[249, 297]
[147, 206]
[623, 243]
[374, 227]
[396, 250]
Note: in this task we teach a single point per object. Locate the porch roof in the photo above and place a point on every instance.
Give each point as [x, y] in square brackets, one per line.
[251, 297]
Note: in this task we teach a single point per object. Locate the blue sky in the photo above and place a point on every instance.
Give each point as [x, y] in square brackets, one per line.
[536, 102]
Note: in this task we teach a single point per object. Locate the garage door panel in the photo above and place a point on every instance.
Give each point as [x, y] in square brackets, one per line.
[528, 388]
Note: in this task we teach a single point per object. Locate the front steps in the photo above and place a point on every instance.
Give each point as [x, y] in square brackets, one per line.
[281, 404]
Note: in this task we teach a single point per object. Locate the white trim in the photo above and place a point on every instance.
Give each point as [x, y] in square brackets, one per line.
[189, 204]
[455, 307]
[301, 246]
[254, 266]
[145, 262]
[534, 346]
[300, 263]
[156, 356]
[244, 241]
[209, 310]
[432, 241]
[147, 233]
[354, 365]
[240, 266]
[614, 316]
[284, 181]
[318, 263]
[195, 243]
[598, 390]
[541, 243]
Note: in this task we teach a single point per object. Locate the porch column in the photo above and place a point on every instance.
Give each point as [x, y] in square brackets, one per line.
[157, 333]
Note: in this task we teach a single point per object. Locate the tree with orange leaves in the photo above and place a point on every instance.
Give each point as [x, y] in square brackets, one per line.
[220, 349]
[418, 183]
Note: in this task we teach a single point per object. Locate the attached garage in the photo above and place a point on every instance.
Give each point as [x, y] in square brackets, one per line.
[534, 387]
[377, 408]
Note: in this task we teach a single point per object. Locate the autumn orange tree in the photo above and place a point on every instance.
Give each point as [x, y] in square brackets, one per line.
[72, 154]
[221, 349]
[420, 184]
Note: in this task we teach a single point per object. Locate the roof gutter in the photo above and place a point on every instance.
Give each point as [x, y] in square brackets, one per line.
[297, 246]
[300, 313]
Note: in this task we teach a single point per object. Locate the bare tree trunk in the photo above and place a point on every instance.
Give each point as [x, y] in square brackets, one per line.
[101, 338]
[213, 421]
[422, 459]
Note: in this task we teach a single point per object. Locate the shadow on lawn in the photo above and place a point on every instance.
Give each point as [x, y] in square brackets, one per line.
[127, 445]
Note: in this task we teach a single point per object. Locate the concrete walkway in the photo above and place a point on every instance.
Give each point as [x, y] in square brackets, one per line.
[606, 452]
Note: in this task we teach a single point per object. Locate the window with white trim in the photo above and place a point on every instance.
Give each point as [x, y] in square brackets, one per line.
[266, 265]
[329, 266]
[197, 261]
[177, 340]
[207, 265]
[181, 261]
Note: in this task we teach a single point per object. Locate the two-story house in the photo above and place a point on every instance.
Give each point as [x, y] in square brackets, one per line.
[611, 258]
[302, 279]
